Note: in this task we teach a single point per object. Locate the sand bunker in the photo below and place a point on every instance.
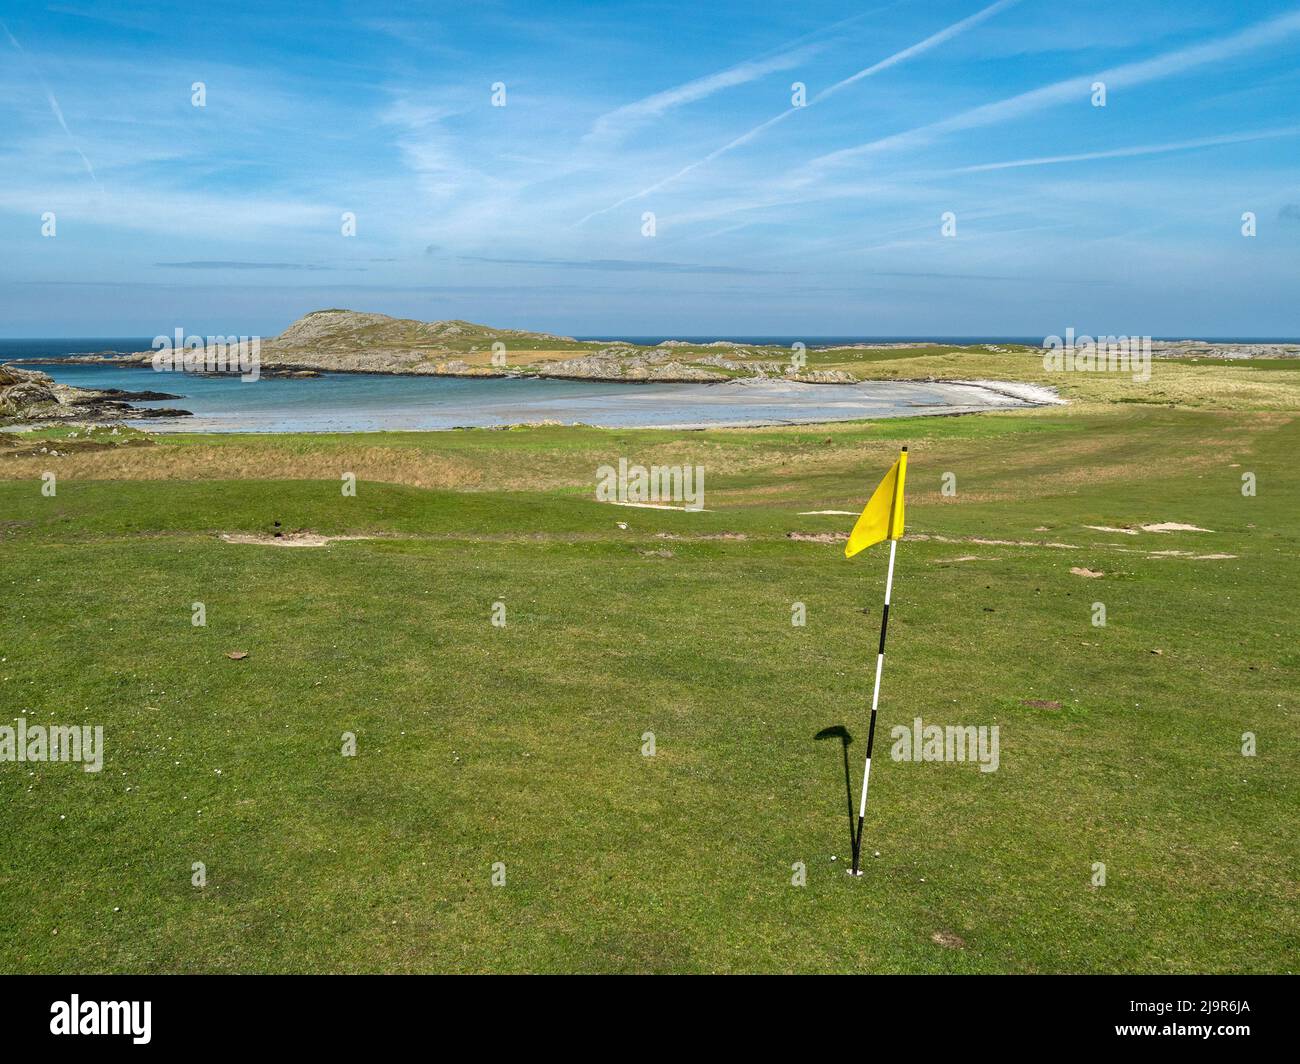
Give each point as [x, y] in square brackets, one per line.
[660, 506]
[1174, 526]
[286, 539]
[1159, 526]
[706, 535]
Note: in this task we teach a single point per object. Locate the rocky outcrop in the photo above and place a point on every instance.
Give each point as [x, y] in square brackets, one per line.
[1215, 349]
[609, 367]
[24, 392]
[28, 396]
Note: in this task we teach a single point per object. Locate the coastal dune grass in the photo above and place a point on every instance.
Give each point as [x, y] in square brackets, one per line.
[523, 744]
[800, 462]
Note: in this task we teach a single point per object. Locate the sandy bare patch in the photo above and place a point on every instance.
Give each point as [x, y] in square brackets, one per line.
[1080, 571]
[948, 940]
[287, 539]
[982, 542]
[1173, 526]
[818, 537]
[707, 535]
[661, 506]
[1107, 528]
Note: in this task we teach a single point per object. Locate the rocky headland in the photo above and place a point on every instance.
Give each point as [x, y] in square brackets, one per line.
[30, 397]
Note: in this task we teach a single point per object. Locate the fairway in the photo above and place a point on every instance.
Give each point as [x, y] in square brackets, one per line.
[523, 744]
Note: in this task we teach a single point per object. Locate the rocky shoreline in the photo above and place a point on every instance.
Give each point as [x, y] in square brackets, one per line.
[29, 397]
[612, 366]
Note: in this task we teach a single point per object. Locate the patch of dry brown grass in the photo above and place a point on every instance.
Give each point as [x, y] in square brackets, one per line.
[255, 461]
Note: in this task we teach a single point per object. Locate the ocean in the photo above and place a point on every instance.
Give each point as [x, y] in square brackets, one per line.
[371, 402]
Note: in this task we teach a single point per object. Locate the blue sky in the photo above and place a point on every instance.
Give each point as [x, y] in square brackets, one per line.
[809, 221]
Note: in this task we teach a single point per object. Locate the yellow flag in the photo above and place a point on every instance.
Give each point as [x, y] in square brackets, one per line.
[883, 517]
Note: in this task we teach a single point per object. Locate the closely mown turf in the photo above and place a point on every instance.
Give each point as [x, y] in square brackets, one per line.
[522, 744]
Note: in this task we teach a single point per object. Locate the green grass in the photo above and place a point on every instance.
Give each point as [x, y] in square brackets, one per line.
[522, 744]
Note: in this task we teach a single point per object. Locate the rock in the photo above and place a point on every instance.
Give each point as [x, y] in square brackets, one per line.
[635, 368]
[823, 376]
[25, 393]
[29, 396]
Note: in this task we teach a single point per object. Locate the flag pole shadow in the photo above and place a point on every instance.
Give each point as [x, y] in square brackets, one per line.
[841, 733]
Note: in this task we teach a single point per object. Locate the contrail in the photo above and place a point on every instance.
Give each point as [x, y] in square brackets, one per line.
[1140, 72]
[618, 121]
[921, 46]
[1141, 149]
[898, 57]
[53, 102]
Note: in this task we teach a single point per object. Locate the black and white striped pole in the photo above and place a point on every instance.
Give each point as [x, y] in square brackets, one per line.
[875, 699]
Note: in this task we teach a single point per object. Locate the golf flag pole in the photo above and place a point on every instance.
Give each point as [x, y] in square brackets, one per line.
[882, 519]
[875, 702]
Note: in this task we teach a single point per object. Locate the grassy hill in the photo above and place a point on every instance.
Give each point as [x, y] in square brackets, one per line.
[335, 329]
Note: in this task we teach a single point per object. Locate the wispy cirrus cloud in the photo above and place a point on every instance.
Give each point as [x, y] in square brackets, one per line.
[52, 100]
[428, 148]
[932, 41]
[1128, 75]
[234, 264]
[616, 265]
